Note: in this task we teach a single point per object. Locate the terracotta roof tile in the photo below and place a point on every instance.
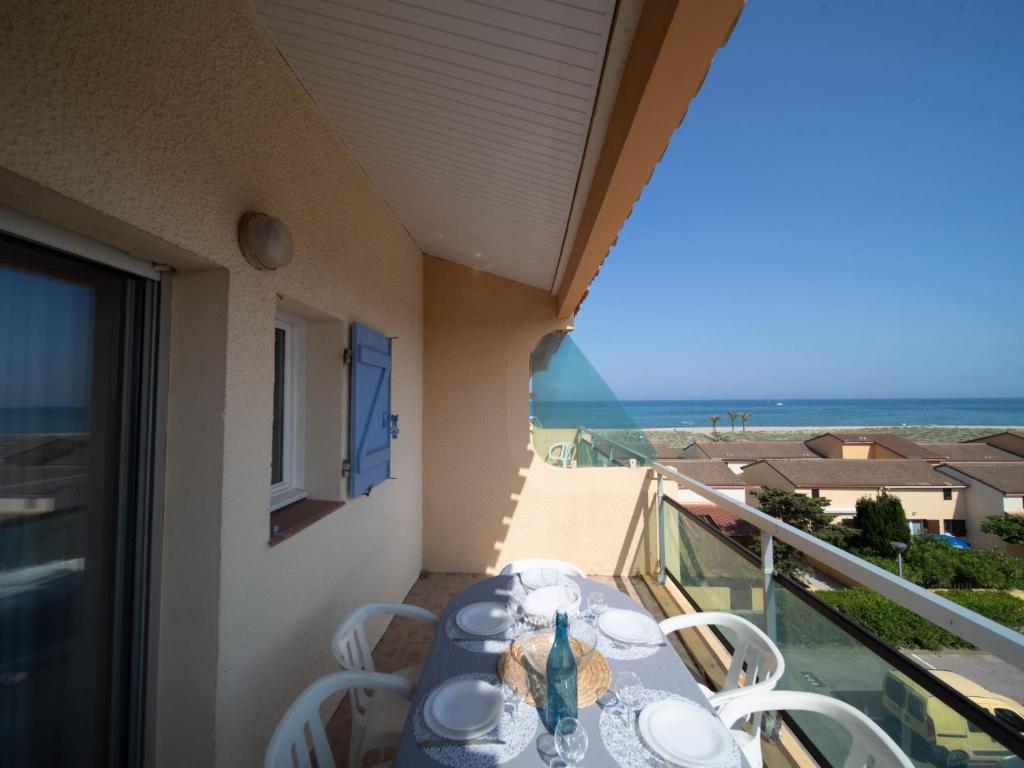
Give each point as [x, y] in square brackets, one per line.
[708, 471]
[859, 473]
[753, 450]
[1005, 477]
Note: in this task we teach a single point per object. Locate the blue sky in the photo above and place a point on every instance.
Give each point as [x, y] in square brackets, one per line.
[840, 215]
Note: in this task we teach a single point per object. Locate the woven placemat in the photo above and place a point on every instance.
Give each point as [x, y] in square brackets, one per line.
[516, 670]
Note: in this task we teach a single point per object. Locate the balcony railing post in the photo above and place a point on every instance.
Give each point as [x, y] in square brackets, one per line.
[768, 583]
[661, 529]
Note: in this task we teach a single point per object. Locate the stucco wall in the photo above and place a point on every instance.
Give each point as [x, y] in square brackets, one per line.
[154, 125]
[979, 501]
[918, 503]
[488, 497]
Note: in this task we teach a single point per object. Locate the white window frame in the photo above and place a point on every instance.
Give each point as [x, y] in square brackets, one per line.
[293, 462]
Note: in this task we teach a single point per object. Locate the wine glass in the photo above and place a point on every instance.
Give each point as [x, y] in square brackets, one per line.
[513, 696]
[571, 740]
[597, 604]
[630, 691]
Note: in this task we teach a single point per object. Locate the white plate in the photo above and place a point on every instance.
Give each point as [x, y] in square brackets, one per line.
[483, 619]
[463, 709]
[685, 734]
[629, 626]
[538, 578]
[541, 604]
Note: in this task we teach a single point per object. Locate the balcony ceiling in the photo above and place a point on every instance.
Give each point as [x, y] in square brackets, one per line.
[471, 116]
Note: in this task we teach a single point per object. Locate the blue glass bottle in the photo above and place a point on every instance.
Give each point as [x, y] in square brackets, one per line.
[561, 676]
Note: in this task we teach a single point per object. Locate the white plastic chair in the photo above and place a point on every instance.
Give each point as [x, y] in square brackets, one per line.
[377, 721]
[755, 656]
[869, 741]
[289, 747]
[562, 454]
[562, 566]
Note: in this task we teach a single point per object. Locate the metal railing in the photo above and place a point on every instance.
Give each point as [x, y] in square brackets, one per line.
[998, 640]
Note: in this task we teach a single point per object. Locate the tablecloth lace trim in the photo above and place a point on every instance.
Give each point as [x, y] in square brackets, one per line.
[623, 741]
[515, 733]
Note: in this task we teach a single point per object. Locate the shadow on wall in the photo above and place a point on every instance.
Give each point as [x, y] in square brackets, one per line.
[489, 498]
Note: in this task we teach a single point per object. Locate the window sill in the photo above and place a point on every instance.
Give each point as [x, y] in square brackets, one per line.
[287, 521]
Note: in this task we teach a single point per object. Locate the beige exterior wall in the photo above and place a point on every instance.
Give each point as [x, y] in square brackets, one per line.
[488, 496]
[152, 128]
[918, 503]
[1010, 443]
[979, 501]
[828, 446]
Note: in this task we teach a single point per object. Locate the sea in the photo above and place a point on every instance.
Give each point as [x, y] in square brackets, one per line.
[24, 421]
[782, 412]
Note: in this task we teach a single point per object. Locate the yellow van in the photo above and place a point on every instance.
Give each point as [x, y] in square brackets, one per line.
[950, 741]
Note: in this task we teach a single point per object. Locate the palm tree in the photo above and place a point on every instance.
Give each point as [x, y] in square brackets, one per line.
[732, 417]
[714, 424]
[746, 418]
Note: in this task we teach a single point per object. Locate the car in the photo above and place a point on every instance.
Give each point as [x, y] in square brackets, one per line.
[953, 541]
[947, 739]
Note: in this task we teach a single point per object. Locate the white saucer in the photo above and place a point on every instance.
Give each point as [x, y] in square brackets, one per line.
[542, 604]
[686, 734]
[538, 578]
[483, 619]
[629, 627]
[463, 709]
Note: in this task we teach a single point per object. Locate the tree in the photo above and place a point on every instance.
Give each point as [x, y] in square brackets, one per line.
[881, 520]
[714, 424]
[1009, 528]
[798, 510]
[746, 418]
[732, 417]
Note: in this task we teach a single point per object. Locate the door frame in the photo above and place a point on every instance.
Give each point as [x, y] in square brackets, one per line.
[142, 453]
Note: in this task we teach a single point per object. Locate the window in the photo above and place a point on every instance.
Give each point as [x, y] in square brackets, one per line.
[287, 464]
[956, 527]
[947, 494]
[916, 526]
[915, 707]
[815, 493]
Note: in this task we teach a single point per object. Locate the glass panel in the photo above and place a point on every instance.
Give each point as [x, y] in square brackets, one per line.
[64, 647]
[824, 657]
[277, 452]
[712, 573]
[576, 418]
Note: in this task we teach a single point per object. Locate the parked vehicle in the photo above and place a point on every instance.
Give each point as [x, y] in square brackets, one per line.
[946, 737]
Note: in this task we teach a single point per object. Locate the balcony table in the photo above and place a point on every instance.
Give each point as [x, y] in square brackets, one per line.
[662, 670]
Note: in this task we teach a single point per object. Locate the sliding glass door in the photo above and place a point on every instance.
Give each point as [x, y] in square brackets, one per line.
[77, 352]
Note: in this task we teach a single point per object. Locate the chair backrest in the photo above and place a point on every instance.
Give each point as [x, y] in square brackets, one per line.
[869, 741]
[562, 452]
[754, 656]
[562, 566]
[289, 746]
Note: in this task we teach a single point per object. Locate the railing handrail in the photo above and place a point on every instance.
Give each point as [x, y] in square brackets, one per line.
[988, 635]
[636, 454]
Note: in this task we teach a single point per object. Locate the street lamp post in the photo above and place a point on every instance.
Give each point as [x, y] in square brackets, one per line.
[899, 547]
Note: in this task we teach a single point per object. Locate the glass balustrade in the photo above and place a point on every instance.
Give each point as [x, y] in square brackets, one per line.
[938, 718]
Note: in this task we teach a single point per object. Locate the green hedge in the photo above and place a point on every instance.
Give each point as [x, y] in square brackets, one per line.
[905, 629]
[936, 565]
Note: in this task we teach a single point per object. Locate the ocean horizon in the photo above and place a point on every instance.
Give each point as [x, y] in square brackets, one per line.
[782, 412]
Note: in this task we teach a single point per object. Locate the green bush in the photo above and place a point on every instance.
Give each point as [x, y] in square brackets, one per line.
[933, 564]
[1009, 528]
[881, 520]
[905, 629]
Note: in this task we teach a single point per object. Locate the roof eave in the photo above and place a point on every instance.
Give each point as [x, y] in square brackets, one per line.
[671, 52]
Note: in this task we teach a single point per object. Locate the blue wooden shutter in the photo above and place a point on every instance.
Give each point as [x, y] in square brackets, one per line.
[369, 410]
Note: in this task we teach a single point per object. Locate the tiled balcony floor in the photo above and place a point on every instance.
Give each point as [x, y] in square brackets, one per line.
[407, 642]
